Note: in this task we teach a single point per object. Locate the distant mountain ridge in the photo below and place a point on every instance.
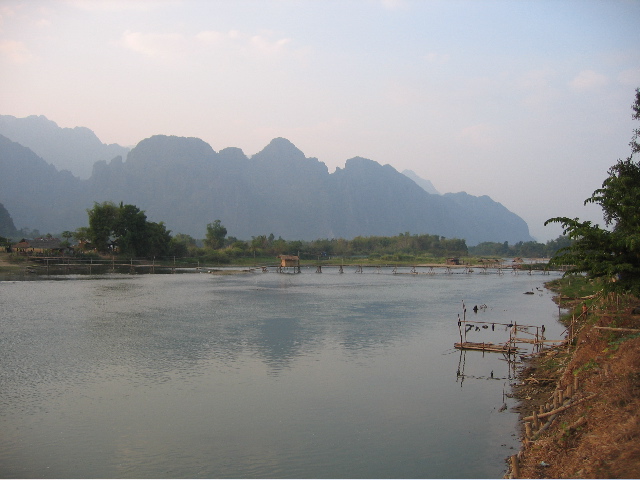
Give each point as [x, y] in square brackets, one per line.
[426, 185]
[74, 149]
[185, 183]
[7, 227]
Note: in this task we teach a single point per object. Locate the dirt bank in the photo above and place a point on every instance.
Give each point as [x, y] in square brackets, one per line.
[9, 263]
[592, 429]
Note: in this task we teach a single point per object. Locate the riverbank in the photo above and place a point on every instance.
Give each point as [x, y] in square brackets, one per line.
[579, 403]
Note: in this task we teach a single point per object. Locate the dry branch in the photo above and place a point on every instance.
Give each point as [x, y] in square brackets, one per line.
[559, 409]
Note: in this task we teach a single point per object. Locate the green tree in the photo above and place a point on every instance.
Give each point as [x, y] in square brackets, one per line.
[67, 235]
[158, 242]
[102, 219]
[81, 234]
[130, 230]
[125, 226]
[611, 254]
[215, 235]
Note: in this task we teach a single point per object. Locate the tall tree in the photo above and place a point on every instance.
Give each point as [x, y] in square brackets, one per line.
[158, 239]
[130, 229]
[126, 226]
[215, 235]
[612, 254]
[102, 218]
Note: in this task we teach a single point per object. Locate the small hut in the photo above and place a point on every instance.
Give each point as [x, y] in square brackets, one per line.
[289, 261]
[453, 261]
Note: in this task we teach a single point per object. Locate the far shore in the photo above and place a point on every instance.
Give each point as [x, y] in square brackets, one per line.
[13, 267]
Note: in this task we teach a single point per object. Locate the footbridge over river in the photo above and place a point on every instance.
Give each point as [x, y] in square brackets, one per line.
[422, 268]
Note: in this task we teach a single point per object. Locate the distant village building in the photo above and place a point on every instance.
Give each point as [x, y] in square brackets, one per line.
[453, 261]
[41, 246]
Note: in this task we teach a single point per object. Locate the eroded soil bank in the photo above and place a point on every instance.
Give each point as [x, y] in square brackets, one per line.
[579, 403]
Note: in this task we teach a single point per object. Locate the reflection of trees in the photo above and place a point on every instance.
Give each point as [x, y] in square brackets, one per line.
[280, 340]
[160, 331]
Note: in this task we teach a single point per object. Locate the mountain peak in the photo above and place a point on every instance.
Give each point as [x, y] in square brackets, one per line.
[280, 148]
[169, 151]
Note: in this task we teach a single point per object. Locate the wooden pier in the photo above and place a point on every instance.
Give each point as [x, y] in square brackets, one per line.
[518, 334]
[487, 347]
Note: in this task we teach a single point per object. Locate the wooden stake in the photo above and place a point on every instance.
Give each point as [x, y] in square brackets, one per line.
[537, 417]
[618, 329]
[515, 468]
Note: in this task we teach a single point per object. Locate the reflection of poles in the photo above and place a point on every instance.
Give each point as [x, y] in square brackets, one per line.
[461, 361]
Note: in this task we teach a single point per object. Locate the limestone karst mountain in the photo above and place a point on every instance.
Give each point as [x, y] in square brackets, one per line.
[185, 183]
[74, 149]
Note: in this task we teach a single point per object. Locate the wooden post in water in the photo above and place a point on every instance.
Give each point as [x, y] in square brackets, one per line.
[515, 468]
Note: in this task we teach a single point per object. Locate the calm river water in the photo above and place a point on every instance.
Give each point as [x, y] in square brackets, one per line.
[259, 375]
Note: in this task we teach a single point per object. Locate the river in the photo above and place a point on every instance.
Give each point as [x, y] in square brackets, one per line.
[259, 375]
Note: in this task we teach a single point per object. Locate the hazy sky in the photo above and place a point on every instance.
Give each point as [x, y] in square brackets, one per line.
[525, 101]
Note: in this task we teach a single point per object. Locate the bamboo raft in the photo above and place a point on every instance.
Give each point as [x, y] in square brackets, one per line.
[487, 347]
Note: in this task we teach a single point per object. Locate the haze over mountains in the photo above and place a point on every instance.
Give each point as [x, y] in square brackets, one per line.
[73, 149]
[185, 183]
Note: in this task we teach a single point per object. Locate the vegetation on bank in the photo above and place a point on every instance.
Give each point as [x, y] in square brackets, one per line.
[125, 232]
[597, 435]
[595, 431]
[611, 254]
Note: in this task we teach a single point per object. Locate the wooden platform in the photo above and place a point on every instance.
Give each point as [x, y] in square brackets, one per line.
[486, 347]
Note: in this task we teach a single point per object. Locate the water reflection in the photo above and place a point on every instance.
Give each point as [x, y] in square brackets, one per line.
[252, 376]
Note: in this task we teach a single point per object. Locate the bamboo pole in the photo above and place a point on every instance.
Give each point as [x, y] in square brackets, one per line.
[559, 409]
[618, 329]
[515, 468]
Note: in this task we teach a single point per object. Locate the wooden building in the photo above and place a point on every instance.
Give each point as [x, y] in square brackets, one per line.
[41, 246]
[289, 261]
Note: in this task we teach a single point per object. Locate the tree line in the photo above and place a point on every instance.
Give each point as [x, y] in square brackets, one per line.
[521, 249]
[124, 229]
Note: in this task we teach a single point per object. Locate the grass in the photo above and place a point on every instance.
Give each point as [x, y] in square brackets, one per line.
[575, 287]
